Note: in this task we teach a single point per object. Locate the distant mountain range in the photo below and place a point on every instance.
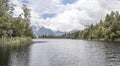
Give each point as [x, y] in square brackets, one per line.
[38, 31]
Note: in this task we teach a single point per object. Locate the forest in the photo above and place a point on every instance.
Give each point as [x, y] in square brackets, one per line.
[107, 29]
[14, 26]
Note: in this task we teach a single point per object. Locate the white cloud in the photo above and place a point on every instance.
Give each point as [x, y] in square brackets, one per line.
[56, 1]
[71, 16]
[67, 21]
[18, 6]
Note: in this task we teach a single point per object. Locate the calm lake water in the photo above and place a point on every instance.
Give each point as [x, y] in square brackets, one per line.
[61, 52]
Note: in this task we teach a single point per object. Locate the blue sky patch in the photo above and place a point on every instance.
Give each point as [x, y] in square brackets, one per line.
[25, 1]
[65, 2]
[47, 15]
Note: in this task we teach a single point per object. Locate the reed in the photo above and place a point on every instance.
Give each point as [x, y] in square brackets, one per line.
[15, 40]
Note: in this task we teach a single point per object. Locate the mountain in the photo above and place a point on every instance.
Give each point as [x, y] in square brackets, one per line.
[38, 31]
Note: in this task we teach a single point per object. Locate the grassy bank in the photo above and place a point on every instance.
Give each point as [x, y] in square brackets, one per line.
[15, 40]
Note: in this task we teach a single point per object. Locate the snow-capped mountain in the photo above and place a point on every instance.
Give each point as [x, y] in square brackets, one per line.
[38, 31]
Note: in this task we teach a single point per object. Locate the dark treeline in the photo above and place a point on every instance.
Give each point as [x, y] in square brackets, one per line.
[14, 26]
[50, 36]
[108, 29]
[47, 36]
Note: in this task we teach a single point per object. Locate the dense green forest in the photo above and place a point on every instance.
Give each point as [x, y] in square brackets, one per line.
[107, 29]
[14, 26]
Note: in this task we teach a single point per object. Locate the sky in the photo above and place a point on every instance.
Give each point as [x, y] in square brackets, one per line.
[66, 15]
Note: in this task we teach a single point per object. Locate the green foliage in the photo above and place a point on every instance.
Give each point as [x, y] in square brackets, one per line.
[14, 26]
[109, 29]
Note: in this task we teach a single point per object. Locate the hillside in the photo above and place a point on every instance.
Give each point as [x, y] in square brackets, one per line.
[108, 29]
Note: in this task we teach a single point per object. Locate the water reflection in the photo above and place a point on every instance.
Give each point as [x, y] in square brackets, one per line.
[19, 56]
[62, 52]
[14, 55]
[112, 52]
[68, 53]
[4, 56]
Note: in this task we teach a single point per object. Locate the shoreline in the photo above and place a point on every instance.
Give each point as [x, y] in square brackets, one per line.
[15, 40]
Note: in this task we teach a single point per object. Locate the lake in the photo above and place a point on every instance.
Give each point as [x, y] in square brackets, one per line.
[61, 52]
